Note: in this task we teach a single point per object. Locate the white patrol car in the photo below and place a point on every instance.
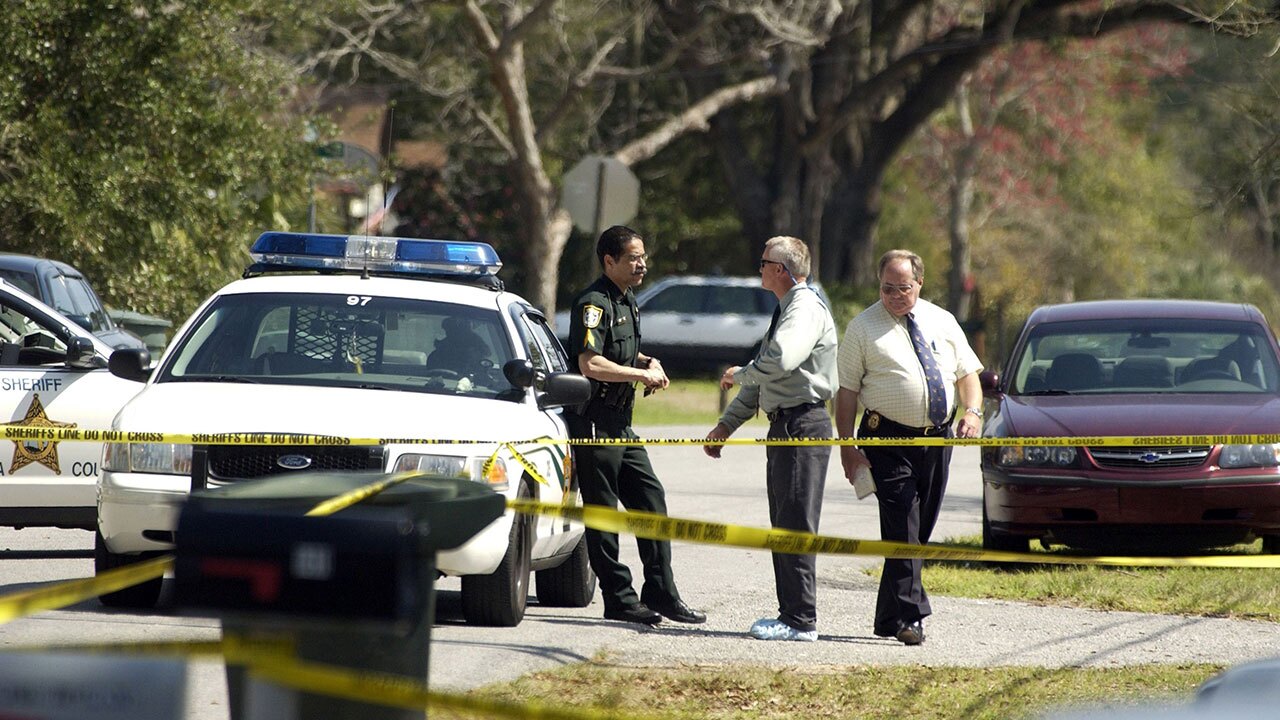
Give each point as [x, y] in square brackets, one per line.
[53, 374]
[361, 337]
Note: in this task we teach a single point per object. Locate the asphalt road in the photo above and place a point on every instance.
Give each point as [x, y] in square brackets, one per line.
[734, 587]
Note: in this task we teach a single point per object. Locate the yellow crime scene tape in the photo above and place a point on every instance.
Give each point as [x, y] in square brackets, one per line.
[60, 434]
[277, 663]
[664, 527]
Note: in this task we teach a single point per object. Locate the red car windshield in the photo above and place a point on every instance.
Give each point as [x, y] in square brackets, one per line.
[1146, 356]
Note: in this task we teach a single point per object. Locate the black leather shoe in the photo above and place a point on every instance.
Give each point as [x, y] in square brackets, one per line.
[681, 613]
[634, 613]
[911, 633]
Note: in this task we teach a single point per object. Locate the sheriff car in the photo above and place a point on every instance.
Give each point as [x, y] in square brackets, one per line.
[53, 374]
[360, 337]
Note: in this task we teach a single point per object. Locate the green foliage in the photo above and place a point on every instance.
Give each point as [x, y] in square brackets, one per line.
[144, 143]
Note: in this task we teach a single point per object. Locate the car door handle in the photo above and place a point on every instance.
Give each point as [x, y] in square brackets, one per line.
[686, 321]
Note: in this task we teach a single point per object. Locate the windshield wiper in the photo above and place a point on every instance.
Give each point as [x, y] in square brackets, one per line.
[214, 378]
[1048, 392]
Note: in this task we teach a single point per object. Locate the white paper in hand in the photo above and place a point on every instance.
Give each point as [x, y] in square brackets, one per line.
[863, 484]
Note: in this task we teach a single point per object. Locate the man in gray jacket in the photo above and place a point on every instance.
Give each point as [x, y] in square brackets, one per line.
[791, 379]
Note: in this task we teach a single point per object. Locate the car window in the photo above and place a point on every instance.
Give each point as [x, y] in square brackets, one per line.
[338, 341]
[677, 299]
[28, 341]
[544, 350]
[766, 301]
[25, 281]
[84, 301]
[1146, 355]
[739, 300]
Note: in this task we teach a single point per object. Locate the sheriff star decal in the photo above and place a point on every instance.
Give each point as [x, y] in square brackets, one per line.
[26, 452]
[591, 316]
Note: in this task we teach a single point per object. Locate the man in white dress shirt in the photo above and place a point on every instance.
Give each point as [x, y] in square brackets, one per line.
[910, 366]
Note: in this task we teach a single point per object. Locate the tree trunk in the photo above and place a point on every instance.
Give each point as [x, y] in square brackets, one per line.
[959, 284]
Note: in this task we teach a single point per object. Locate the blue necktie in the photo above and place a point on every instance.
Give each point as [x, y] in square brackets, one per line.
[932, 376]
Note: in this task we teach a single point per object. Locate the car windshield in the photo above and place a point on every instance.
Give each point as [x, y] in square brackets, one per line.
[339, 341]
[1145, 356]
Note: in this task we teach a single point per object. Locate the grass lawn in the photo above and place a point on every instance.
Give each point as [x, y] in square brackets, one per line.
[867, 692]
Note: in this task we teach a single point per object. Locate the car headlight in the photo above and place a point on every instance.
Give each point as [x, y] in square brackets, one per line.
[1035, 455]
[159, 458]
[456, 466]
[1238, 456]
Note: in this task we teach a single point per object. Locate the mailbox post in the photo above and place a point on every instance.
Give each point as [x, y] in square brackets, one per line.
[355, 589]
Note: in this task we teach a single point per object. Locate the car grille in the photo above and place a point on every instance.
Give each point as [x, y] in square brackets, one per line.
[247, 462]
[1150, 458]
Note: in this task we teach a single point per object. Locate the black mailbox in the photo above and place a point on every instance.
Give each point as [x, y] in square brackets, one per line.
[250, 551]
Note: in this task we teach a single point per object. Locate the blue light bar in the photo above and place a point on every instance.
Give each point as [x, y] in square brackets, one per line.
[305, 251]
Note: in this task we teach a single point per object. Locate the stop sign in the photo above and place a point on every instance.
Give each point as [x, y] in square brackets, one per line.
[599, 192]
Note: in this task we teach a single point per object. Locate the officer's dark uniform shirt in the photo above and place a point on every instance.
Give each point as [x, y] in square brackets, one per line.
[606, 320]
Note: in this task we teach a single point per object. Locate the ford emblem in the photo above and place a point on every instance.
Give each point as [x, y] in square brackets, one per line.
[1149, 457]
[294, 462]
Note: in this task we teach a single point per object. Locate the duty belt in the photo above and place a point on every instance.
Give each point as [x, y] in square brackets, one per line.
[781, 413]
[884, 427]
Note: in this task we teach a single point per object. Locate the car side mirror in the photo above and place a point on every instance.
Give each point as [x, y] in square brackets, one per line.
[563, 389]
[990, 382]
[519, 373]
[80, 352]
[131, 364]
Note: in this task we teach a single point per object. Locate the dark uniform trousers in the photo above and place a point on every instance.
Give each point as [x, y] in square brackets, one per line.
[796, 477]
[910, 483]
[607, 476]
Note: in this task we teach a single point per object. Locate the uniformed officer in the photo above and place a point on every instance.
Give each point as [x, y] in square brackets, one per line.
[604, 344]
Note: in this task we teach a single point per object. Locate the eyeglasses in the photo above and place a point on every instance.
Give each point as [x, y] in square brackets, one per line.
[888, 289]
[770, 262]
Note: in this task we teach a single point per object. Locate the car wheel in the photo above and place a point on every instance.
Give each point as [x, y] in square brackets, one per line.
[499, 598]
[1271, 544]
[141, 596]
[569, 584]
[992, 540]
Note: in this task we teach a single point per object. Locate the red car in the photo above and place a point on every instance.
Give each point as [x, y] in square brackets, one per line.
[1135, 368]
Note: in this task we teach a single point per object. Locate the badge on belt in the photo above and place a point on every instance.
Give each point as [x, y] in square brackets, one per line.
[873, 420]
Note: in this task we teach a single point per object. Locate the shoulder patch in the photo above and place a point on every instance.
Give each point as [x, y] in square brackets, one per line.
[591, 315]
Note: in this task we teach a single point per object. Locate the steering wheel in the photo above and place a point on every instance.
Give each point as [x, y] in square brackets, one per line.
[442, 373]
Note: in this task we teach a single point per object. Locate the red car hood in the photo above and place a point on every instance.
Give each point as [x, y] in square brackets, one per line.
[1126, 415]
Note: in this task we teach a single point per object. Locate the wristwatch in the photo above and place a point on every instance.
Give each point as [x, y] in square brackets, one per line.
[974, 411]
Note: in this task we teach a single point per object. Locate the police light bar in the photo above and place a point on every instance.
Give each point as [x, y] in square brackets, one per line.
[303, 251]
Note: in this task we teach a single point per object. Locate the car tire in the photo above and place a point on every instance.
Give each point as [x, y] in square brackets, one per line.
[499, 598]
[1271, 544]
[992, 540]
[569, 584]
[141, 596]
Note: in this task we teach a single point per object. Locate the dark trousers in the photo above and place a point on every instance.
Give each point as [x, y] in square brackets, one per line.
[607, 476]
[910, 483]
[796, 478]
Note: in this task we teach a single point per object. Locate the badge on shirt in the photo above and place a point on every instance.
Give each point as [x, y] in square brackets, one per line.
[591, 316]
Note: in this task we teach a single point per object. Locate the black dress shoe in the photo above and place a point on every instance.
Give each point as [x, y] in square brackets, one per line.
[680, 612]
[635, 613]
[911, 633]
